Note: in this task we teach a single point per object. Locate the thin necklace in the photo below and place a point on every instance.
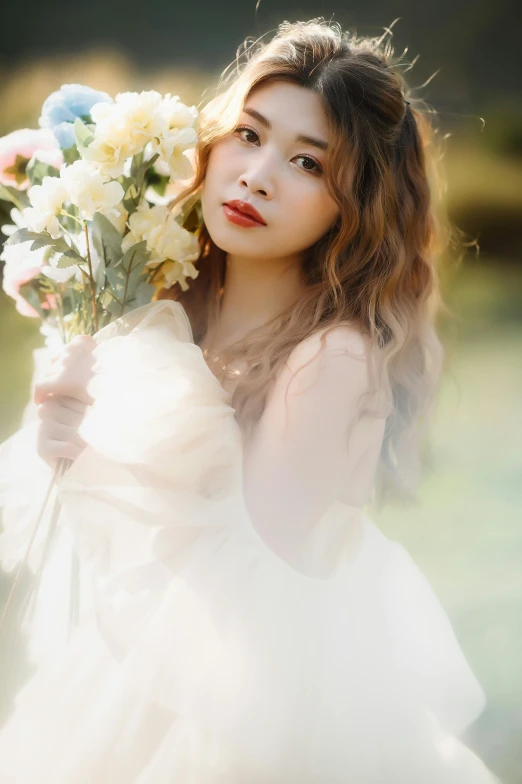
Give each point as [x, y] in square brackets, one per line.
[212, 356]
[216, 358]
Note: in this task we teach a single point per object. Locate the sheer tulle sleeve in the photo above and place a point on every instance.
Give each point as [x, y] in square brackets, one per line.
[202, 653]
[296, 462]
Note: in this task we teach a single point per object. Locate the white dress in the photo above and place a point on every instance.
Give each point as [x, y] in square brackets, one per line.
[201, 656]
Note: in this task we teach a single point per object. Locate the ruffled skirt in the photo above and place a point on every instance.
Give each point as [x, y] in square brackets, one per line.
[200, 656]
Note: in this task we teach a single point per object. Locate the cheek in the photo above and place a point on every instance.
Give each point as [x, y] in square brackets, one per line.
[312, 215]
[217, 175]
[220, 162]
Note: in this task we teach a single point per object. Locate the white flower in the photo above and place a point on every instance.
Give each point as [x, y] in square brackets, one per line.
[136, 121]
[171, 147]
[176, 134]
[46, 200]
[123, 129]
[141, 113]
[18, 223]
[90, 190]
[177, 272]
[166, 239]
[145, 224]
[61, 274]
[51, 332]
[118, 217]
[108, 154]
[176, 243]
[176, 113]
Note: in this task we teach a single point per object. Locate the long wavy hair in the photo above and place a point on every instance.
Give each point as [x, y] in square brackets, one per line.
[377, 266]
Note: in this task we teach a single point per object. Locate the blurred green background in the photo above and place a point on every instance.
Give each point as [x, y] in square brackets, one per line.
[466, 533]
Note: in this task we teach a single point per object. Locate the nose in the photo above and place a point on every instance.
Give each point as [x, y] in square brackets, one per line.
[259, 177]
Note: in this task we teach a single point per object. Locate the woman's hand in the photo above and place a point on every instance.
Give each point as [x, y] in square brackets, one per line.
[62, 399]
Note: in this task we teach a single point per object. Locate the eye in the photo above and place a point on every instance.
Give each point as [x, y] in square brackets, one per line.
[316, 169]
[242, 129]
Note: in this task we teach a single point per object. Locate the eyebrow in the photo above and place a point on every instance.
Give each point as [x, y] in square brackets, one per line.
[312, 140]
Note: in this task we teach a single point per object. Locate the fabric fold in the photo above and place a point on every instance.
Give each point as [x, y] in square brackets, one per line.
[201, 655]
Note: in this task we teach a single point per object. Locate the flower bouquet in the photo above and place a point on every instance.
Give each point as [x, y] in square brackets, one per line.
[92, 234]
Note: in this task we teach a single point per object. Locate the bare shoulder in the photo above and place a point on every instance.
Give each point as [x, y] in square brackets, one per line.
[332, 360]
[341, 346]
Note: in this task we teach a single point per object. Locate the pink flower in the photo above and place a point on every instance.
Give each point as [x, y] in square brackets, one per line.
[21, 266]
[49, 302]
[19, 147]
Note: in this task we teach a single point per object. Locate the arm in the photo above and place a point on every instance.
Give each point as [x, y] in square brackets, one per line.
[295, 463]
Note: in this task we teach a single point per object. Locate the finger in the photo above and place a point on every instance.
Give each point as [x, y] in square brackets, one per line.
[64, 387]
[72, 403]
[51, 430]
[56, 449]
[69, 371]
[39, 394]
[44, 389]
[53, 409]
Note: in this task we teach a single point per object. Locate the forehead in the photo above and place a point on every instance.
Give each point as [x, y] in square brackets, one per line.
[290, 106]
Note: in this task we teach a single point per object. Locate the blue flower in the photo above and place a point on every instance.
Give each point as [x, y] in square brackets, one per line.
[64, 135]
[62, 107]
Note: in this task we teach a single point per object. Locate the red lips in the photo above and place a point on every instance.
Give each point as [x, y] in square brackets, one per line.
[246, 209]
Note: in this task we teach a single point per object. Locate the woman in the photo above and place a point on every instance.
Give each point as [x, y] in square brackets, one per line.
[246, 621]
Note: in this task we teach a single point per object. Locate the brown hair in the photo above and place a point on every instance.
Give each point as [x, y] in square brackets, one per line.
[376, 268]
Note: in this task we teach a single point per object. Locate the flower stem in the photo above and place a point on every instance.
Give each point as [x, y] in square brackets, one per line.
[57, 473]
[71, 240]
[16, 203]
[91, 279]
[59, 300]
[68, 215]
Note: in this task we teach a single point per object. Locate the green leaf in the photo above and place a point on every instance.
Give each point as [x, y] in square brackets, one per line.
[99, 275]
[139, 166]
[127, 183]
[131, 205]
[115, 308]
[134, 280]
[192, 220]
[190, 214]
[131, 193]
[46, 285]
[41, 243]
[59, 245]
[31, 296]
[24, 235]
[84, 136]
[106, 240]
[19, 198]
[116, 278]
[133, 264]
[135, 257]
[158, 182]
[143, 294]
[70, 155]
[37, 170]
[138, 173]
[39, 240]
[69, 258]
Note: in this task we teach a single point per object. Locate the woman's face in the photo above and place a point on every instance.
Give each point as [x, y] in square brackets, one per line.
[272, 162]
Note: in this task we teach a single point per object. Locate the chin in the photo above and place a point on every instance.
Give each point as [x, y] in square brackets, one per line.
[228, 240]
